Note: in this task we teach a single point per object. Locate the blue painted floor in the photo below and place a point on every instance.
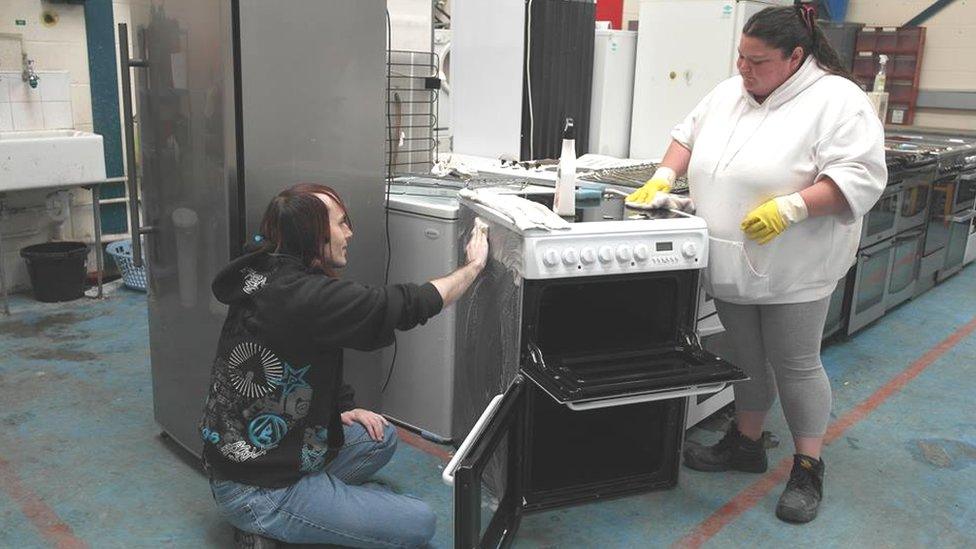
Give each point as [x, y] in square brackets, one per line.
[81, 461]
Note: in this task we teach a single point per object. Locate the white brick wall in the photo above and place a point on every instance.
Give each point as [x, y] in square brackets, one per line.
[61, 48]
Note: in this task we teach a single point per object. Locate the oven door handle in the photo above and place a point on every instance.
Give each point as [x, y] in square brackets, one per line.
[648, 397]
[448, 475]
[963, 218]
[909, 235]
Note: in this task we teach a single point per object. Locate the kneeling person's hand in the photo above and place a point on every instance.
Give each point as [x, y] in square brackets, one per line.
[373, 422]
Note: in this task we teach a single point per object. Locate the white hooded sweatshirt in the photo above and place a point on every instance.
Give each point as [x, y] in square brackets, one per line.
[744, 153]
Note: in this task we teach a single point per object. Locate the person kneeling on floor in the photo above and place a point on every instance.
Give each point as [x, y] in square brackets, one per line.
[287, 450]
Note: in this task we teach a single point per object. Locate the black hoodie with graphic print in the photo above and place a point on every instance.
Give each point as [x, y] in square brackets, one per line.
[276, 388]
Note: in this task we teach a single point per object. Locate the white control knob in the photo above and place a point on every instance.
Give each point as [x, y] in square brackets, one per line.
[588, 256]
[623, 252]
[570, 257]
[550, 257]
[641, 252]
[689, 249]
[606, 254]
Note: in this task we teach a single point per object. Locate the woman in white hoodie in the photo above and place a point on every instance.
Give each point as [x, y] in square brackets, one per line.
[783, 161]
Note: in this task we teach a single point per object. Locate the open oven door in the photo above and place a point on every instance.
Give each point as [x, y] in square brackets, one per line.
[586, 382]
[481, 518]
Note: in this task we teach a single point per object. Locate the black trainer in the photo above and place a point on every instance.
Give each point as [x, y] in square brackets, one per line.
[735, 452]
[247, 540]
[804, 491]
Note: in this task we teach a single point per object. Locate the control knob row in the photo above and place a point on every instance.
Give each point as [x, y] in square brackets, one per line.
[606, 254]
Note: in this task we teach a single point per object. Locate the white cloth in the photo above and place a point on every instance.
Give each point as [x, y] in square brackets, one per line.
[452, 166]
[744, 153]
[524, 213]
[665, 201]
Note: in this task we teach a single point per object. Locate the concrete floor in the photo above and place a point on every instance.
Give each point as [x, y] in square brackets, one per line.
[82, 464]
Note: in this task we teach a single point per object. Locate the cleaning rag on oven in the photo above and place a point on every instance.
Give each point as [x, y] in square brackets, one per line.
[524, 213]
[665, 201]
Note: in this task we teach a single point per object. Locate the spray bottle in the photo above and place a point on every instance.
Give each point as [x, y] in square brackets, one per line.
[879, 79]
[565, 200]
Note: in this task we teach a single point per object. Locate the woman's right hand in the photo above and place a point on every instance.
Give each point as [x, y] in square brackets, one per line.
[477, 248]
[646, 193]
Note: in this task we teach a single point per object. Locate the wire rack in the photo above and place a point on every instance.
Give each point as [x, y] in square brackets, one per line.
[631, 176]
[412, 94]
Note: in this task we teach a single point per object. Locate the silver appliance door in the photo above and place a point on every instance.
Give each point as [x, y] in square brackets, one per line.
[870, 282]
[904, 267]
[879, 223]
[916, 193]
[956, 247]
[970, 254]
[185, 113]
[941, 206]
[965, 191]
[313, 80]
[936, 234]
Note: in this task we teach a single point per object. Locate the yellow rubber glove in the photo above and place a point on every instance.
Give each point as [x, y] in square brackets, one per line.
[773, 217]
[651, 187]
[660, 181]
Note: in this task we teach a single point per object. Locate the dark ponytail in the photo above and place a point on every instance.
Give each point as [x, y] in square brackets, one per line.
[786, 28]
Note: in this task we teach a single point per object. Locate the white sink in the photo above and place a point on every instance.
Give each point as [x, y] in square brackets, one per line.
[49, 158]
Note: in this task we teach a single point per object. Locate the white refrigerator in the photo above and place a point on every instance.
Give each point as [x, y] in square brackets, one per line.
[684, 49]
[614, 52]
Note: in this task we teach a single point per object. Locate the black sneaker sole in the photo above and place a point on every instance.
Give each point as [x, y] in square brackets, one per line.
[795, 516]
[695, 465]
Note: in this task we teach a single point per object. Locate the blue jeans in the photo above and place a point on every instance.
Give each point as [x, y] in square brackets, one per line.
[333, 506]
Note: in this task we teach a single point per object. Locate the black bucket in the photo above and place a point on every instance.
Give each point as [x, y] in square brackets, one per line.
[57, 270]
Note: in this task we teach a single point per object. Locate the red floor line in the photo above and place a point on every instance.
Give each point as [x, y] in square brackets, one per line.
[40, 515]
[755, 492]
[422, 444]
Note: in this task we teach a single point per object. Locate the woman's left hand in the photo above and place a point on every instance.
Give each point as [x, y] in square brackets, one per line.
[773, 217]
[373, 422]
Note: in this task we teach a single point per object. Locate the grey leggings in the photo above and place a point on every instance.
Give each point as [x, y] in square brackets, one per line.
[779, 345]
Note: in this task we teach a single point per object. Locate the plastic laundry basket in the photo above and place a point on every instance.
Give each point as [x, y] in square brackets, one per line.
[132, 276]
[57, 270]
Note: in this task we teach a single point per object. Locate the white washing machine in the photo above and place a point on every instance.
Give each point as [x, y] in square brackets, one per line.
[424, 246]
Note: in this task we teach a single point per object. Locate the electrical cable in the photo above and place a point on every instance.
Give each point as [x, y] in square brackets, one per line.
[389, 178]
[528, 78]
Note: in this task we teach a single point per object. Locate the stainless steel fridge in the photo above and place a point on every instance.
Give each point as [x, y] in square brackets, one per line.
[234, 101]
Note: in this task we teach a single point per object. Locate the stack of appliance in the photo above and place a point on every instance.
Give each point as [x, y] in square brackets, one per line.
[953, 202]
[951, 210]
[570, 339]
[918, 234]
[885, 273]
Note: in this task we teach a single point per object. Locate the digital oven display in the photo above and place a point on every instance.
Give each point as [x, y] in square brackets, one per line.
[664, 246]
